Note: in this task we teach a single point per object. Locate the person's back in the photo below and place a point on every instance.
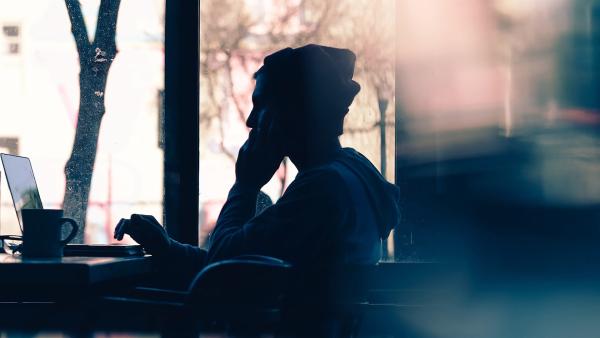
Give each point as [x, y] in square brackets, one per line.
[375, 205]
[335, 213]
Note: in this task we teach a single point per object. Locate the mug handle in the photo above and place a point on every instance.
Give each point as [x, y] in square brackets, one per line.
[73, 230]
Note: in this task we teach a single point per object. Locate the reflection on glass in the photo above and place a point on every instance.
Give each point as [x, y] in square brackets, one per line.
[498, 134]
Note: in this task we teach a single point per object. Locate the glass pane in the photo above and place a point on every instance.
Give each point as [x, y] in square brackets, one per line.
[235, 37]
[39, 100]
[498, 143]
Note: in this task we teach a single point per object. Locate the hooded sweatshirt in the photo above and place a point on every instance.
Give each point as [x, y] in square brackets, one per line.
[336, 213]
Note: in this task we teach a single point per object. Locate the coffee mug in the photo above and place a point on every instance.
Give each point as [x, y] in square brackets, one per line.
[42, 229]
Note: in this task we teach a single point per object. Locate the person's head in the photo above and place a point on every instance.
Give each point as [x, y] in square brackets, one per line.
[305, 92]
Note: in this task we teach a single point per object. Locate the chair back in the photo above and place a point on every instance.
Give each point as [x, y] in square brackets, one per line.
[245, 280]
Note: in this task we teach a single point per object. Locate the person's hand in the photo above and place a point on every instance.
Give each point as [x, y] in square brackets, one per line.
[259, 157]
[145, 230]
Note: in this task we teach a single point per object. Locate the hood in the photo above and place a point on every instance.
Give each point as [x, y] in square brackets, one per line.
[383, 196]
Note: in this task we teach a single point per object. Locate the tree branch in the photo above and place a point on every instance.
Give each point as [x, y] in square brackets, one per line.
[78, 28]
[238, 106]
[107, 26]
[222, 146]
[365, 129]
[220, 117]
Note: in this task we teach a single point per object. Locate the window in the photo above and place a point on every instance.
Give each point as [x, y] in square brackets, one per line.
[13, 48]
[11, 34]
[9, 145]
[237, 35]
[39, 106]
[490, 110]
[497, 142]
[11, 30]
[480, 112]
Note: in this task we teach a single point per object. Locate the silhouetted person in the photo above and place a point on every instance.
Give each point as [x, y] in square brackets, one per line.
[338, 208]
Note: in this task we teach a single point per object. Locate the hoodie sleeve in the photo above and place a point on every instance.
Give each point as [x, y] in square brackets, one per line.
[296, 228]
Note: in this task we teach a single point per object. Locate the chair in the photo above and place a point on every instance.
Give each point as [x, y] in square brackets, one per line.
[251, 294]
[245, 293]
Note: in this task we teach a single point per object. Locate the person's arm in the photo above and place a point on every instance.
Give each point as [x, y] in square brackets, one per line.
[239, 208]
[187, 257]
[295, 228]
[146, 230]
[258, 159]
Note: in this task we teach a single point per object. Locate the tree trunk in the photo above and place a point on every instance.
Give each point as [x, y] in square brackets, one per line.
[95, 60]
[80, 166]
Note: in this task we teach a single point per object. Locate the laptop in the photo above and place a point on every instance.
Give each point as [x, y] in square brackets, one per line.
[25, 195]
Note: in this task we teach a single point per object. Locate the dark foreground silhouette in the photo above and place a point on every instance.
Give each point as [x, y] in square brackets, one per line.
[336, 211]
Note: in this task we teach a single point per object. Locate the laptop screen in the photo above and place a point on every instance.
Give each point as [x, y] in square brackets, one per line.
[21, 183]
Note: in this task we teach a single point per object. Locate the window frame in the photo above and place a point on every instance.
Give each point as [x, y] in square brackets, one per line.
[182, 121]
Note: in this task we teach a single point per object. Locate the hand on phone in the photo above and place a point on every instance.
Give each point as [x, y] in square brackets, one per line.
[260, 156]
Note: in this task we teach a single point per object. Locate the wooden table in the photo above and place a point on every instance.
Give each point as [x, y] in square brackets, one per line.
[28, 278]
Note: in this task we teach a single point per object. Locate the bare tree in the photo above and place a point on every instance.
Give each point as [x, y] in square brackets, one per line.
[372, 37]
[230, 37]
[236, 35]
[95, 59]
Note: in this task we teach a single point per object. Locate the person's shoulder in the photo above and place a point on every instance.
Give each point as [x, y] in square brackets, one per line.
[321, 187]
[354, 155]
[329, 173]
[324, 176]
[329, 177]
